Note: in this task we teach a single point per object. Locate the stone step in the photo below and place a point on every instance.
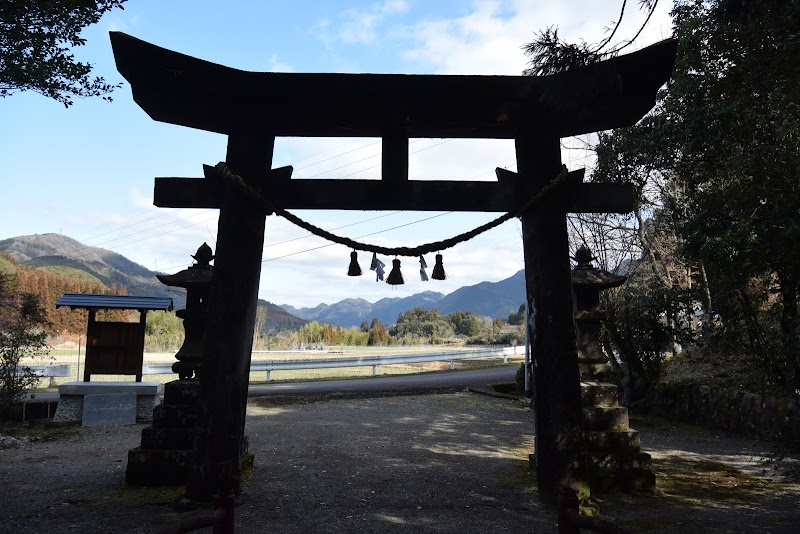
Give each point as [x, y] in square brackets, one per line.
[629, 460]
[595, 393]
[157, 467]
[605, 418]
[167, 438]
[182, 393]
[591, 370]
[170, 416]
[628, 472]
[585, 356]
[612, 441]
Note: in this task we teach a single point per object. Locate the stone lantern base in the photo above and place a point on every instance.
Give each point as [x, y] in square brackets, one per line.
[164, 457]
[613, 450]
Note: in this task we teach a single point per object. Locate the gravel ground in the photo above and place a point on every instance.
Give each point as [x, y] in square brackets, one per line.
[454, 462]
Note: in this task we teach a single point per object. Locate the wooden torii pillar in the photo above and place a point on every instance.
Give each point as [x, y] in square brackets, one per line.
[254, 108]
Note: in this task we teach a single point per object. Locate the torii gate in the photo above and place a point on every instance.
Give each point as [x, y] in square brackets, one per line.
[252, 109]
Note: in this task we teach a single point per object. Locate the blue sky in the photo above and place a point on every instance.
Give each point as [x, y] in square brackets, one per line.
[87, 171]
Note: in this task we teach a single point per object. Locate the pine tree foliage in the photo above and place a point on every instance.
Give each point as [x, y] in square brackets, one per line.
[549, 54]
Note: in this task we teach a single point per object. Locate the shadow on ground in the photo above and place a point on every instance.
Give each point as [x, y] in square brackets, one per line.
[454, 462]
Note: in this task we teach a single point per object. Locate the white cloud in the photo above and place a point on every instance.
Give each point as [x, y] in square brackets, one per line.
[141, 201]
[117, 22]
[274, 64]
[360, 26]
[485, 41]
[488, 39]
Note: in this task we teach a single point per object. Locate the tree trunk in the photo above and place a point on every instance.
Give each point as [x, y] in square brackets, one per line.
[789, 329]
[635, 384]
[709, 324]
[759, 342]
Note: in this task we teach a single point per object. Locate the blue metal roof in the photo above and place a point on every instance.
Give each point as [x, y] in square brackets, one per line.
[121, 302]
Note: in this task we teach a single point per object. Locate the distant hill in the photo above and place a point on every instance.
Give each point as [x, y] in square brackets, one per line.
[63, 255]
[387, 309]
[352, 312]
[492, 299]
[278, 319]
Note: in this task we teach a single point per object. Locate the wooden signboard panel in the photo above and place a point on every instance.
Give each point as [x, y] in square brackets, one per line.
[114, 348]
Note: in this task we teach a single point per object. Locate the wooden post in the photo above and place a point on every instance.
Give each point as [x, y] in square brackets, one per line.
[224, 375]
[551, 322]
[90, 332]
[394, 157]
[140, 341]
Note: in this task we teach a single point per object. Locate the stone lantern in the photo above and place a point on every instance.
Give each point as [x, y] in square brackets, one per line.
[587, 283]
[164, 457]
[197, 281]
[613, 452]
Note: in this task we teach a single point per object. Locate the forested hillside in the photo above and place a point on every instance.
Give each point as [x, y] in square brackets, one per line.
[63, 255]
[49, 287]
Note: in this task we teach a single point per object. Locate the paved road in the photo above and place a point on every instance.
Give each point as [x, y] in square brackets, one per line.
[419, 382]
[425, 381]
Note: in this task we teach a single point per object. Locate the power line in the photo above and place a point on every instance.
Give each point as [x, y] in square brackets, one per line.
[410, 153]
[332, 229]
[162, 233]
[129, 225]
[84, 239]
[336, 156]
[359, 237]
[149, 229]
[327, 150]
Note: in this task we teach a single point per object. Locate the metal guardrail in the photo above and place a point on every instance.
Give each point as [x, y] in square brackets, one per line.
[49, 371]
[360, 361]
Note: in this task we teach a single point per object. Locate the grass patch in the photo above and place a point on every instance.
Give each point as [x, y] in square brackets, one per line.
[704, 482]
[39, 432]
[722, 369]
[6, 267]
[71, 272]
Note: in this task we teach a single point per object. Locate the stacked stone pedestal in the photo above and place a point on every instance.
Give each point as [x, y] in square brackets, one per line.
[164, 457]
[613, 450]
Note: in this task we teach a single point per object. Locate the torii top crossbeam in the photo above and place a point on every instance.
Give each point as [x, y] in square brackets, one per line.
[179, 89]
[186, 91]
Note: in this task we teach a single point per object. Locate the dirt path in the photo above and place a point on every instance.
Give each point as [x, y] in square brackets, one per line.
[429, 463]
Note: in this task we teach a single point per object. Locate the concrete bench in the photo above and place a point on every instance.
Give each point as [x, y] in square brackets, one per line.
[48, 371]
[72, 394]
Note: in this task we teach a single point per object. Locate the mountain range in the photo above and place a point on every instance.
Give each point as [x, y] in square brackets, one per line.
[68, 257]
[492, 299]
